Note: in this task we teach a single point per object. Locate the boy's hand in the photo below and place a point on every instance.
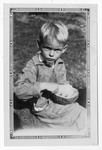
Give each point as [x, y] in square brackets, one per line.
[52, 87]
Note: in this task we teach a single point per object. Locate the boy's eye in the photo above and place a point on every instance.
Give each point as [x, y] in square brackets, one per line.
[49, 48]
[58, 50]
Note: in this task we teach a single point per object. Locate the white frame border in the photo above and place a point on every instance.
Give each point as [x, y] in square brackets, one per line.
[93, 77]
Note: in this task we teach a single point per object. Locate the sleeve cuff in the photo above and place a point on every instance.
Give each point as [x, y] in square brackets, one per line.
[36, 89]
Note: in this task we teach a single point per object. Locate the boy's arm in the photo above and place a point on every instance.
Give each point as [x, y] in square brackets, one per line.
[26, 87]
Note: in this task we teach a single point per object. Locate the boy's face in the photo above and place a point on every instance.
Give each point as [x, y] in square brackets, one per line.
[51, 51]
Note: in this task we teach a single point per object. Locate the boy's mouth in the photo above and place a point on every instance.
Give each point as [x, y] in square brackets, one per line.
[49, 59]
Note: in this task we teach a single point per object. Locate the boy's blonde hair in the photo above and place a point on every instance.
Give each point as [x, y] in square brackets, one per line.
[53, 30]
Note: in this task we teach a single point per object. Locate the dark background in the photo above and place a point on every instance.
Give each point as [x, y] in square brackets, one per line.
[26, 26]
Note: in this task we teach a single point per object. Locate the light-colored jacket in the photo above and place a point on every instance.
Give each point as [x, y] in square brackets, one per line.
[56, 111]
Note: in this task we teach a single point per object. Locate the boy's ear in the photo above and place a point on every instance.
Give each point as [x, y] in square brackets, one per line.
[38, 43]
[65, 48]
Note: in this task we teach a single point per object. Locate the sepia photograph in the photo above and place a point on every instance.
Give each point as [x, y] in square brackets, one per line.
[49, 65]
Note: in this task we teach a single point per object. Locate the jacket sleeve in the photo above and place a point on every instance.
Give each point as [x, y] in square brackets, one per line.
[26, 87]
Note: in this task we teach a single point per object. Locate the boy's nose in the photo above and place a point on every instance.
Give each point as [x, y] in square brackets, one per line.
[51, 53]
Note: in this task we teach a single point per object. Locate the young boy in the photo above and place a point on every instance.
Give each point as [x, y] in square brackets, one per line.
[44, 80]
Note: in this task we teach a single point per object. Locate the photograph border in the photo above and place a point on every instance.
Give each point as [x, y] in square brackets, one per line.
[88, 10]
